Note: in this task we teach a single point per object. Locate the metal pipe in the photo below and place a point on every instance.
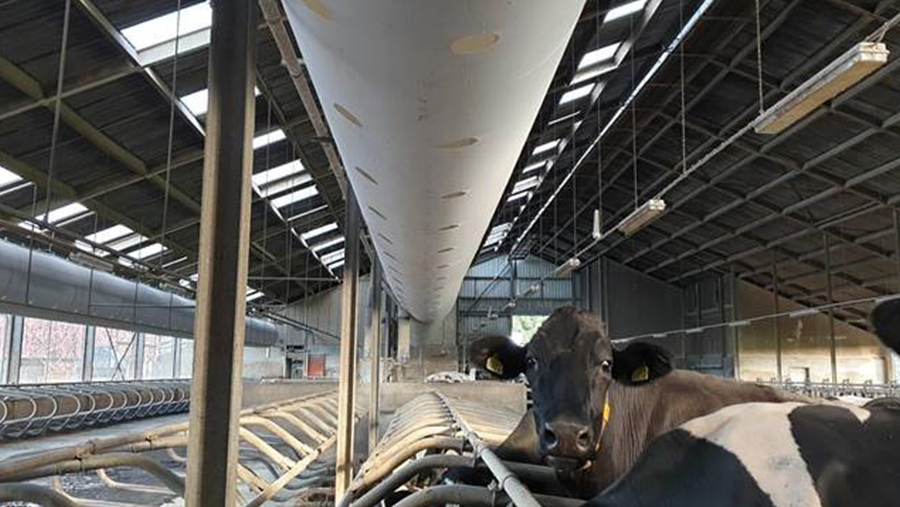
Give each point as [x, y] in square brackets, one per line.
[224, 254]
[33, 493]
[473, 496]
[347, 384]
[111, 460]
[507, 480]
[536, 473]
[830, 296]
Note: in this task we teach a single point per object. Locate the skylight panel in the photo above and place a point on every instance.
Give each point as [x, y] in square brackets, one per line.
[624, 10]
[576, 94]
[7, 177]
[127, 242]
[63, 213]
[198, 102]
[534, 167]
[296, 196]
[336, 264]
[281, 186]
[333, 256]
[162, 29]
[598, 55]
[268, 138]
[525, 184]
[318, 231]
[110, 234]
[253, 295]
[148, 251]
[516, 197]
[546, 147]
[327, 244]
[277, 173]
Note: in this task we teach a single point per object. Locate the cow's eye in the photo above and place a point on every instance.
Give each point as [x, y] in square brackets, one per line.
[531, 363]
[606, 366]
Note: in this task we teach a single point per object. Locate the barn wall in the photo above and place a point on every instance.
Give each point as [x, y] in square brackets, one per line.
[805, 344]
[480, 295]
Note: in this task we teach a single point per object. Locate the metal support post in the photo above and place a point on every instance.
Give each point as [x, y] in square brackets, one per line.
[176, 357]
[376, 313]
[347, 384]
[735, 315]
[90, 341]
[16, 332]
[224, 251]
[775, 302]
[138, 372]
[828, 288]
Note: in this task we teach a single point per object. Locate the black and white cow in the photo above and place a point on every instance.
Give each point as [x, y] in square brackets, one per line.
[775, 454]
[597, 407]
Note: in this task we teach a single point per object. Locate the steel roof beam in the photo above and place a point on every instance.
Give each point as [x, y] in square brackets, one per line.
[673, 121]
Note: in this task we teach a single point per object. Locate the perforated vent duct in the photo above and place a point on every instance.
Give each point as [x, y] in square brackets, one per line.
[61, 290]
[430, 103]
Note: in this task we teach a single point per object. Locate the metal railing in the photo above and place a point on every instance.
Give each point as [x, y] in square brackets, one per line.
[830, 390]
[283, 458]
[433, 433]
[34, 410]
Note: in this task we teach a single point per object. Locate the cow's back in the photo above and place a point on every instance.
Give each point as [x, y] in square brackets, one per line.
[640, 414]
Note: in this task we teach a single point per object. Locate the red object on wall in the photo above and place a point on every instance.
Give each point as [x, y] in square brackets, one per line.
[315, 367]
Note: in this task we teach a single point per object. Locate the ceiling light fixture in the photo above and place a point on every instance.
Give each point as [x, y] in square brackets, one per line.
[843, 73]
[642, 216]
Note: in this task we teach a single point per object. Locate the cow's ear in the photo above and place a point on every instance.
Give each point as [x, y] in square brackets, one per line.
[498, 355]
[640, 363]
[886, 320]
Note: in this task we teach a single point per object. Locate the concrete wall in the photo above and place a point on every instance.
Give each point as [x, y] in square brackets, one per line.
[805, 344]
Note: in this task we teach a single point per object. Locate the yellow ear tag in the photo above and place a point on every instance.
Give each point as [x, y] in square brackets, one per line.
[606, 410]
[641, 374]
[494, 365]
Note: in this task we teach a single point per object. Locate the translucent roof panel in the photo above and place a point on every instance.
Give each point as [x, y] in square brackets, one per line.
[333, 256]
[545, 147]
[198, 102]
[267, 138]
[327, 244]
[599, 55]
[277, 173]
[110, 233]
[163, 28]
[7, 177]
[294, 197]
[624, 10]
[64, 213]
[318, 231]
[576, 94]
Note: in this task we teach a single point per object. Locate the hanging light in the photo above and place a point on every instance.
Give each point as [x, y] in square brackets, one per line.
[568, 267]
[639, 218]
[596, 233]
[841, 74]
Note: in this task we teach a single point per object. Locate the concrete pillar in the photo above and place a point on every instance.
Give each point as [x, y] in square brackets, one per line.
[224, 254]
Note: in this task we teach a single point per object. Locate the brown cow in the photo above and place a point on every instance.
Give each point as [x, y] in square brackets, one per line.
[596, 408]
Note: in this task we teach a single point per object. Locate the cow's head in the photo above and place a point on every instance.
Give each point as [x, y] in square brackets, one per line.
[570, 364]
[886, 320]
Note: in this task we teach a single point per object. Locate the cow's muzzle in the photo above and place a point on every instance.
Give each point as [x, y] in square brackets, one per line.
[567, 439]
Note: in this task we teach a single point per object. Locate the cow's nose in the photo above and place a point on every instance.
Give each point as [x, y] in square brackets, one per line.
[550, 439]
[567, 439]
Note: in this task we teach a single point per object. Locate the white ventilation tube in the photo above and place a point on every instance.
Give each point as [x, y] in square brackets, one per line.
[430, 103]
